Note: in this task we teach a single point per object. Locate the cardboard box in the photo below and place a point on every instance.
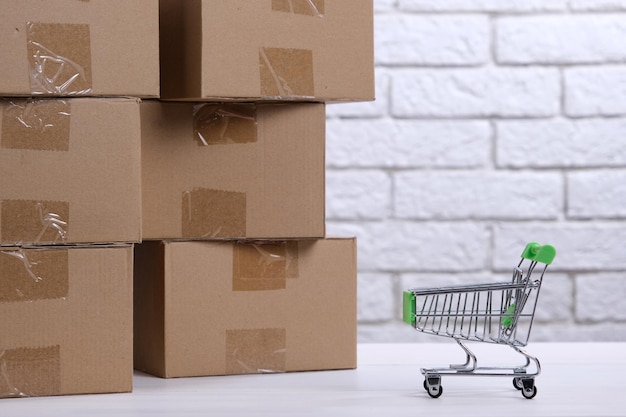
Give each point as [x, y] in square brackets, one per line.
[216, 308]
[305, 50]
[70, 171]
[233, 170]
[69, 47]
[65, 320]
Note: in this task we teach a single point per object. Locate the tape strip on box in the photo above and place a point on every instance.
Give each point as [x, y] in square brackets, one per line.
[41, 125]
[286, 73]
[59, 58]
[264, 266]
[255, 351]
[209, 213]
[220, 124]
[26, 372]
[33, 274]
[303, 7]
[33, 221]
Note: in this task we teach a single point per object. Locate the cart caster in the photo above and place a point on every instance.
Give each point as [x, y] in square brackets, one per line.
[529, 393]
[526, 386]
[432, 385]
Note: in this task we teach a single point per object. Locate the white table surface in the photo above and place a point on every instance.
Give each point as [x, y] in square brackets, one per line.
[577, 379]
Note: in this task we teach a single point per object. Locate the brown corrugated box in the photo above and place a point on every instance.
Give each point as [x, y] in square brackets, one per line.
[65, 320]
[70, 47]
[216, 308]
[233, 170]
[70, 171]
[311, 50]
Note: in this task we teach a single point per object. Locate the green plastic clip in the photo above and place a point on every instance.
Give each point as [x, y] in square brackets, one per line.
[408, 307]
[540, 253]
[507, 317]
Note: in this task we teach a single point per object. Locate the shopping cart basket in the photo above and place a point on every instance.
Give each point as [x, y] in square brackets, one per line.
[500, 313]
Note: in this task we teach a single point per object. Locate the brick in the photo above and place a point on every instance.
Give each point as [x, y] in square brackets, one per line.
[595, 91]
[418, 247]
[407, 144]
[477, 195]
[561, 39]
[367, 109]
[384, 5]
[561, 143]
[357, 195]
[510, 6]
[500, 92]
[579, 246]
[375, 301]
[598, 5]
[432, 40]
[601, 297]
[596, 194]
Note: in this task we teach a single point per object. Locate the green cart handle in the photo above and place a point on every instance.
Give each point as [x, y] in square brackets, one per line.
[539, 253]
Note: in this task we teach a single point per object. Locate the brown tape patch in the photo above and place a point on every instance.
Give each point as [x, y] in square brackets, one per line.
[286, 72]
[42, 125]
[59, 58]
[28, 372]
[213, 213]
[31, 221]
[264, 266]
[219, 124]
[304, 7]
[30, 274]
[255, 351]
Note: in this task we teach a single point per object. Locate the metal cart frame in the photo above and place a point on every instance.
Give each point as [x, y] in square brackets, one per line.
[498, 313]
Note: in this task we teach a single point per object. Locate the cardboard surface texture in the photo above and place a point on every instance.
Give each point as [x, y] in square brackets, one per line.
[70, 47]
[304, 50]
[233, 170]
[218, 308]
[70, 171]
[65, 320]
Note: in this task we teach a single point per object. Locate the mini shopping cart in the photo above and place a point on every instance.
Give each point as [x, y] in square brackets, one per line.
[500, 313]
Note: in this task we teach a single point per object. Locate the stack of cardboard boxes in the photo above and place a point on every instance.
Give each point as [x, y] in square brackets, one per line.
[70, 190]
[222, 178]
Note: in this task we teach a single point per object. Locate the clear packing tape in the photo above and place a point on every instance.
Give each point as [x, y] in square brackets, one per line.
[29, 274]
[256, 351]
[264, 266]
[27, 372]
[33, 222]
[286, 73]
[36, 124]
[220, 124]
[59, 58]
[304, 7]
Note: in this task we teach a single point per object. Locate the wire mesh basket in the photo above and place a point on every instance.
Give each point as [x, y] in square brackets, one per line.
[499, 313]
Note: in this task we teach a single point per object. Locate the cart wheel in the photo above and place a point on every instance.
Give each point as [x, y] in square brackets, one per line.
[432, 385]
[529, 393]
[435, 392]
[517, 383]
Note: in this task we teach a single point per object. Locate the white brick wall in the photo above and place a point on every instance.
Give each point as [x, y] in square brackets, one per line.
[496, 123]
[476, 92]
